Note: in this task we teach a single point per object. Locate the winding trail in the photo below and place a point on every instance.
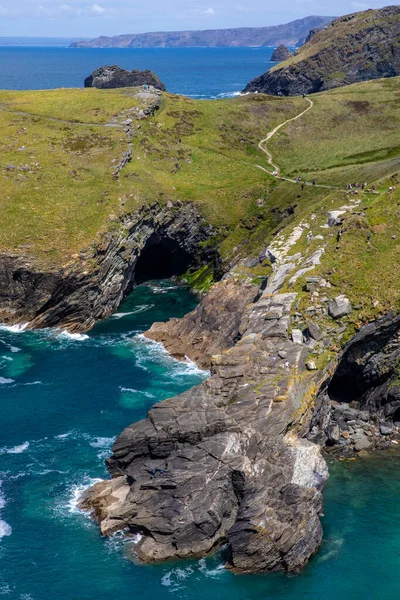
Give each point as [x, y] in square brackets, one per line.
[275, 172]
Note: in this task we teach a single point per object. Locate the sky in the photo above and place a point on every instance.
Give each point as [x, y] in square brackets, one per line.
[91, 18]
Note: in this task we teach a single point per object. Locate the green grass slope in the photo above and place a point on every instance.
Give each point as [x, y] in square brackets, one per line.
[59, 149]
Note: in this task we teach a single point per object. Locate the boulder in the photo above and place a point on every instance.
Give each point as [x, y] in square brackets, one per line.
[386, 430]
[362, 443]
[297, 336]
[314, 331]
[339, 307]
[115, 77]
[334, 217]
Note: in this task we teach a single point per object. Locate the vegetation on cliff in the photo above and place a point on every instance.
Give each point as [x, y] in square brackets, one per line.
[353, 48]
[62, 148]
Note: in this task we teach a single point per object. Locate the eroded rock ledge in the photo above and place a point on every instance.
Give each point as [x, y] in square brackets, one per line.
[228, 463]
[209, 329]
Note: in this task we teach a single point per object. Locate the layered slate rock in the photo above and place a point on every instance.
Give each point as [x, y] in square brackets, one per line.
[354, 48]
[223, 462]
[281, 53]
[115, 77]
[209, 329]
[358, 407]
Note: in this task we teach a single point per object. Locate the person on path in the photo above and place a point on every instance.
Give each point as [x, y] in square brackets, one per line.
[313, 181]
[349, 187]
[302, 185]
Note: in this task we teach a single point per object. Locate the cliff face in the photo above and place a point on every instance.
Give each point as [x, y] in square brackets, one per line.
[94, 286]
[211, 328]
[115, 77]
[351, 49]
[288, 34]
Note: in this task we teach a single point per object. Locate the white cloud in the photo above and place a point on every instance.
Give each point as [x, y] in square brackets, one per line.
[95, 8]
[209, 11]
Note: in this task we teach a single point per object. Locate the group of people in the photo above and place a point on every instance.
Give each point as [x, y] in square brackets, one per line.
[357, 186]
[304, 183]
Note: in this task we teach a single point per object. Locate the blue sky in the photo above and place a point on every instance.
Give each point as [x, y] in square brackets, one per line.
[90, 18]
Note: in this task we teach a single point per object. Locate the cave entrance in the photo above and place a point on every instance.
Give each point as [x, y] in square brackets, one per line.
[396, 416]
[162, 259]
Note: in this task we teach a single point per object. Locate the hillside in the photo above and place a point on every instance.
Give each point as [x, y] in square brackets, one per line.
[298, 322]
[357, 47]
[62, 148]
[288, 34]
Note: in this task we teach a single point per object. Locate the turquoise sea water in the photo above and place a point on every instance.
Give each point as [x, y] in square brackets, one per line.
[62, 401]
[196, 72]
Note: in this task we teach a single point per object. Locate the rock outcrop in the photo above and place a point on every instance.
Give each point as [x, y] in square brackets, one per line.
[281, 53]
[358, 407]
[211, 328]
[225, 461]
[354, 48]
[115, 77]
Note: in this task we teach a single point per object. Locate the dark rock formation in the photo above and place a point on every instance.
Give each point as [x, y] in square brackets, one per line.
[359, 406]
[211, 328]
[224, 462]
[287, 33]
[353, 48]
[310, 35]
[281, 53]
[94, 285]
[115, 77]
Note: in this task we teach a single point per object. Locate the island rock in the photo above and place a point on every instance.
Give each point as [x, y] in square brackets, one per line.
[281, 53]
[115, 77]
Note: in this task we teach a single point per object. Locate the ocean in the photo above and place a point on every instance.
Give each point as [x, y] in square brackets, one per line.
[64, 398]
[195, 72]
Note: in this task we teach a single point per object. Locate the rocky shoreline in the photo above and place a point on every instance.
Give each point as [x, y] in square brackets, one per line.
[239, 460]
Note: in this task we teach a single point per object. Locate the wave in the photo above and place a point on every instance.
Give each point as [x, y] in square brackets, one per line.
[139, 309]
[176, 577]
[133, 391]
[5, 528]
[75, 492]
[18, 328]
[5, 380]
[15, 449]
[79, 337]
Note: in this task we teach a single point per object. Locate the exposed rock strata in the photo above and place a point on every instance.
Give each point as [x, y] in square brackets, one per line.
[351, 49]
[358, 407]
[93, 285]
[234, 469]
[209, 329]
[115, 77]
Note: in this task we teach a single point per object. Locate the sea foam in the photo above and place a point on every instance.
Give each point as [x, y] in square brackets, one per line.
[15, 449]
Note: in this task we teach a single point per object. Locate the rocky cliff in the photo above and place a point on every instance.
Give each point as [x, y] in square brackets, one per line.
[288, 33]
[224, 462]
[354, 48]
[281, 53]
[115, 77]
[93, 286]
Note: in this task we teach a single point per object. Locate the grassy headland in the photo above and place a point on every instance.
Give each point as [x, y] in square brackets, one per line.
[59, 149]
